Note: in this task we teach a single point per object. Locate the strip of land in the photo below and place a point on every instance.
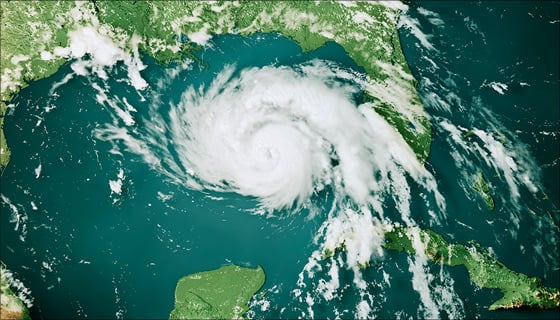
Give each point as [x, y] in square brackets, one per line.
[519, 290]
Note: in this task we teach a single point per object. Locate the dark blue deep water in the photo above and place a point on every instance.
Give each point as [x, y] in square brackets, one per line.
[84, 251]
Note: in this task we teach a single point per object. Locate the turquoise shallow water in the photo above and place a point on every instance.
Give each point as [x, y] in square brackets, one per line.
[129, 252]
[90, 252]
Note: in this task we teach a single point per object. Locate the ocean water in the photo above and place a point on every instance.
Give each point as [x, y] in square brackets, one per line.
[101, 215]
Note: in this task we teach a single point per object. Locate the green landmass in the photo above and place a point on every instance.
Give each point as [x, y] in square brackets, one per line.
[11, 307]
[480, 184]
[481, 187]
[5, 152]
[485, 271]
[33, 34]
[223, 293]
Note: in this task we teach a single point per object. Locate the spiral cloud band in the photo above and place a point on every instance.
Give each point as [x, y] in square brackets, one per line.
[275, 133]
[279, 134]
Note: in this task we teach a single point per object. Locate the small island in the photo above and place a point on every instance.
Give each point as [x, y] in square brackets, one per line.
[483, 189]
[223, 293]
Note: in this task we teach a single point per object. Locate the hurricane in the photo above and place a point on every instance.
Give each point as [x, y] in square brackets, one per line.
[284, 135]
[275, 133]
[128, 173]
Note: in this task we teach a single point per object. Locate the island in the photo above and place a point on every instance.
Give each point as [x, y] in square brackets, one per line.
[38, 37]
[223, 293]
[485, 271]
[481, 187]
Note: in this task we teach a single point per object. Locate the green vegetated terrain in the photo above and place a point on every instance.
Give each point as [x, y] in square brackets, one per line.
[11, 307]
[33, 34]
[223, 293]
[483, 189]
[519, 290]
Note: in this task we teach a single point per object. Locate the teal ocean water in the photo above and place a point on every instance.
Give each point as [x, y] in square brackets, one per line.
[102, 214]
